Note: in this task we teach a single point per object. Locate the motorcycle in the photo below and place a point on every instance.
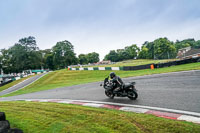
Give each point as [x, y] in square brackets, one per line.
[128, 90]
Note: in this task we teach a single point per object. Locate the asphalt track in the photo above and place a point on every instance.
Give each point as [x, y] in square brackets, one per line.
[179, 90]
[21, 84]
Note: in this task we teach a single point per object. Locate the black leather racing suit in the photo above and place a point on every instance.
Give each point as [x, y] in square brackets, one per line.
[118, 83]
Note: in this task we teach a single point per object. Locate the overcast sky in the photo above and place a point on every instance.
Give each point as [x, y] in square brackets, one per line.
[98, 25]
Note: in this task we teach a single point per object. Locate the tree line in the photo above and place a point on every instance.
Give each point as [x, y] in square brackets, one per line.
[26, 55]
[161, 48]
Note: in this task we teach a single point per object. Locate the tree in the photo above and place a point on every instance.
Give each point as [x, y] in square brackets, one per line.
[83, 59]
[18, 57]
[25, 54]
[1, 61]
[47, 59]
[5, 61]
[164, 49]
[122, 54]
[93, 57]
[29, 43]
[88, 58]
[129, 52]
[35, 60]
[63, 54]
[112, 56]
[1, 57]
[144, 53]
[132, 51]
[150, 47]
[197, 44]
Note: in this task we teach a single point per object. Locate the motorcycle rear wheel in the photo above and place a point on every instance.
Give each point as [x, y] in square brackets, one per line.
[132, 95]
[109, 94]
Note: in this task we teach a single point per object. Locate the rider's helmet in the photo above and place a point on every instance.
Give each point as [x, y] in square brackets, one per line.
[112, 75]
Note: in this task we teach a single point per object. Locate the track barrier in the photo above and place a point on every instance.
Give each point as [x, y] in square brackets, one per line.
[141, 67]
[5, 125]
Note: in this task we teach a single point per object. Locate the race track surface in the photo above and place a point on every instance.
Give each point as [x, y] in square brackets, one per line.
[179, 91]
[21, 84]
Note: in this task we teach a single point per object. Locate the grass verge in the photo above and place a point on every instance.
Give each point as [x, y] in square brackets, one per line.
[34, 117]
[62, 78]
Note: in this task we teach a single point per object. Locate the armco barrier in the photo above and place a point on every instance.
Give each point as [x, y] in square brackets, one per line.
[98, 68]
[129, 68]
[2, 84]
[178, 62]
[148, 66]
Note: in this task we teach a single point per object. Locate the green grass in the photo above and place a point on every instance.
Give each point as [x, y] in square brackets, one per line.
[63, 78]
[34, 117]
[135, 62]
[13, 83]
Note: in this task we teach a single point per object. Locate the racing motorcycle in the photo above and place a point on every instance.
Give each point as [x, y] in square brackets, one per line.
[128, 90]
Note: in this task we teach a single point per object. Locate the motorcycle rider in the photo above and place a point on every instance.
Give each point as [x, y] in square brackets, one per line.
[117, 81]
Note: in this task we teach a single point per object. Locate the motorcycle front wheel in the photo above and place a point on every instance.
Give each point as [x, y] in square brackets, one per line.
[109, 94]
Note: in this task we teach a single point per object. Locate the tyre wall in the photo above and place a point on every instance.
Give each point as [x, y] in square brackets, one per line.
[5, 125]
